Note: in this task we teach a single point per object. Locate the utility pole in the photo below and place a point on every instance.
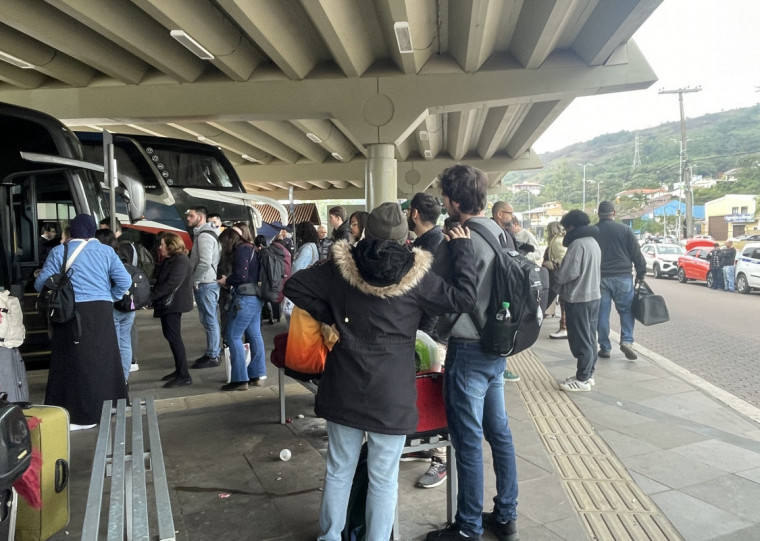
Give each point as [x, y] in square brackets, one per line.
[636, 154]
[685, 168]
[584, 165]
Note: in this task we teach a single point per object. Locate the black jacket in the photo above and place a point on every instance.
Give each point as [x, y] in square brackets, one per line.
[375, 294]
[342, 232]
[429, 240]
[175, 273]
[729, 257]
[620, 250]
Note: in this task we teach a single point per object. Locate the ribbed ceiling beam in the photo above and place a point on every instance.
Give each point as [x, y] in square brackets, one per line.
[331, 137]
[214, 136]
[234, 54]
[353, 39]
[472, 31]
[538, 30]
[497, 124]
[20, 77]
[44, 58]
[608, 26]
[274, 27]
[138, 33]
[536, 121]
[460, 127]
[259, 139]
[287, 133]
[48, 25]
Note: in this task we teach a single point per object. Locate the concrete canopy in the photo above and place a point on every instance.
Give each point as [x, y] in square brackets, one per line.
[296, 91]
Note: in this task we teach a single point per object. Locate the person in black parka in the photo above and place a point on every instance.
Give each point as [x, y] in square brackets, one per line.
[172, 296]
[374, 295]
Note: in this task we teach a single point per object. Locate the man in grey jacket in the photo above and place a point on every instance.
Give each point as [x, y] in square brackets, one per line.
[204, 259]
[579, 278]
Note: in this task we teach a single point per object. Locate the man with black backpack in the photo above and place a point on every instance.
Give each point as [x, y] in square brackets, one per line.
[474, 386]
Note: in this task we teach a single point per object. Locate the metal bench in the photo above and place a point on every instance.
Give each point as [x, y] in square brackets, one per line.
[125, 464]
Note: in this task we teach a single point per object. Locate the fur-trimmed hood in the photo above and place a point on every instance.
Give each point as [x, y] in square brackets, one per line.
[383, 269]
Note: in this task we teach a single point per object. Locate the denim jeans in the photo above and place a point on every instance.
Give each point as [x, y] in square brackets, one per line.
[717, 278]
[245, 318]
[207, 299]
[474, 395]
[343, 448]
[123, 321]
[581, 335]
[620, 290]
[728, 277]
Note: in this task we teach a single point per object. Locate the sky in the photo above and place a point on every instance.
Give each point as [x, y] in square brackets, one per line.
[714, 44]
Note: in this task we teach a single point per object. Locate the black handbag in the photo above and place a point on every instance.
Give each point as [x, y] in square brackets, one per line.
[648, 308]
[165, 302]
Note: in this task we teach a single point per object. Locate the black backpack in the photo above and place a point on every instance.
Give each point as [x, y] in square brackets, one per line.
[56, 299]
[139, 292]
[272, 272]
[516, 280]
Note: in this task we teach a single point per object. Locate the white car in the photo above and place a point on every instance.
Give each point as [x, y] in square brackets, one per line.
[748, 268]
[662, 259]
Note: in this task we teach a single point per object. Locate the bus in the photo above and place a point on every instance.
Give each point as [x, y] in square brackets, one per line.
[178, 175]
[45, 183]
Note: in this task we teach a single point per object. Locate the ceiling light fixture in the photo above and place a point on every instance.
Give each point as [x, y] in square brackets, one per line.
[428, 153]
[313, 137]
[15, 61]
[423, 135]
[403, 37]
[337, 156]
[193, 46]
[249, 158]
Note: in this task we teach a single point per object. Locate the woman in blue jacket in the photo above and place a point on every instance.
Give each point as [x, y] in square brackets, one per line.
[85, 363]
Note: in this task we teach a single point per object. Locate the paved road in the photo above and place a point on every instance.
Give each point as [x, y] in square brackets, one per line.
[713, 334]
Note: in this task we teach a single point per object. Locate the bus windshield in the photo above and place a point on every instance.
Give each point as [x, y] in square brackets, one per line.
[189, 169]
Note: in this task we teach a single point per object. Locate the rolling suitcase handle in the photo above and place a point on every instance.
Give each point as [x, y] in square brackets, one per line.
[61, 475]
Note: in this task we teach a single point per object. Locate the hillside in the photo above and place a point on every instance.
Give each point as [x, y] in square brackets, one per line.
[717, 143]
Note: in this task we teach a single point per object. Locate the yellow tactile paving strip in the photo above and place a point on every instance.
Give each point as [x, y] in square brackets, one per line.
[610, 504]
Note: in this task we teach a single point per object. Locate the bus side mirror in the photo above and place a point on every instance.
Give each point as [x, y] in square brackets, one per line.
[134, 195]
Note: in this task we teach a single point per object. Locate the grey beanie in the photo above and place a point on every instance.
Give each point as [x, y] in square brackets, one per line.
[387, 222]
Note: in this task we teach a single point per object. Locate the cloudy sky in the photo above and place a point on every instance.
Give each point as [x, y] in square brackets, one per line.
[714, 44]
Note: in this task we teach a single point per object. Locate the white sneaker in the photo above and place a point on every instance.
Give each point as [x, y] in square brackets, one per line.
[589, 380]
[134, 367]
[575, 385]
[562, 333]
[74, 427]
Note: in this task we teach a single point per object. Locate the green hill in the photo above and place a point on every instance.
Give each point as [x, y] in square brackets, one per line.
[717, 143]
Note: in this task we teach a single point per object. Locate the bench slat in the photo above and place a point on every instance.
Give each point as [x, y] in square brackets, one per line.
[116, 511]
[97, 477]
[160, 485]
[140, 525]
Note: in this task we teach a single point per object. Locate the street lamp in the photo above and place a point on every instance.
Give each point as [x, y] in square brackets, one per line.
[584, 165]
[598, 182]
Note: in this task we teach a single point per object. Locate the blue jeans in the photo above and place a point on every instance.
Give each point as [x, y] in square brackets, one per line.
[474, 394]
[123, 321]
[245, 318]
[620, 290]
[343, 448]
[728, 277]
[207, 299]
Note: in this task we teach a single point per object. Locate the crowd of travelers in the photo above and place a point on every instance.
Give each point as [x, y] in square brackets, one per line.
[375, 288]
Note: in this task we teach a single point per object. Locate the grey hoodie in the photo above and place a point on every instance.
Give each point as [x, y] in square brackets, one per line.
[204, 257]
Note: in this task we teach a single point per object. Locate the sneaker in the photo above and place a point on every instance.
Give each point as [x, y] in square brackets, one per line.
[134, 367]
[504, 531]
[256, 382]
[590, 380]
[562, 333]
[235, 386]
[178, 382]
[169, 377]
[417, 455]
[449, 532]
[575, 385]
[434, 476]
[627, 349]
[604, 353]
[511, 376]
[208, 362]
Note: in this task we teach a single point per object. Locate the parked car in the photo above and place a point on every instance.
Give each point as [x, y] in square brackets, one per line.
[751, 238]
[748, 268]
[694, 265]
[662, 259]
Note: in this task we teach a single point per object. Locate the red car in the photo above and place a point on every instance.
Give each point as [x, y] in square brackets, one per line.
[694, 265]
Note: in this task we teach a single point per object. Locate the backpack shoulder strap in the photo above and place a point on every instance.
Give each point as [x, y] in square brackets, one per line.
[489, 237]
[76, 252]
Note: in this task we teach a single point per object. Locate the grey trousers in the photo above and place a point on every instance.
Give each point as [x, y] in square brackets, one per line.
[13, 375]
[581, 335]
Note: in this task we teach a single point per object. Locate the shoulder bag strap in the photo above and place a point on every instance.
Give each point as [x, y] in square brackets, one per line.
[65, 267]
[77, 252]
